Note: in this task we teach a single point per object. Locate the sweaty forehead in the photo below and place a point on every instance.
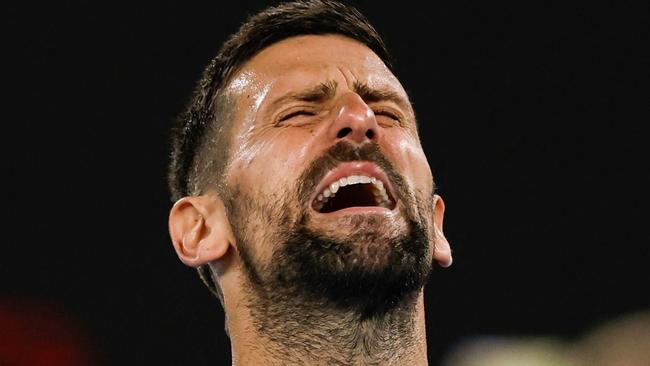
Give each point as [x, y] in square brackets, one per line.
[304, 61]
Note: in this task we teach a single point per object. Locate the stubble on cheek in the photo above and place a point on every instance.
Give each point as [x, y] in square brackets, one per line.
[258, 220]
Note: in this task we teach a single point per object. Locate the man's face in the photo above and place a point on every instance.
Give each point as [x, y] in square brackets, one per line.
[328, 186]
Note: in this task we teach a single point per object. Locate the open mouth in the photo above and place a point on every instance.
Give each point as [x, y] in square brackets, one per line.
[363, 189]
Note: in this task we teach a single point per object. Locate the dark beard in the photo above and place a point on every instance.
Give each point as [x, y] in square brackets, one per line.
[325, 269]
[368, 273]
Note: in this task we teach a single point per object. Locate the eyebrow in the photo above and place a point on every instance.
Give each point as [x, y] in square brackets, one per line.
[326, 91]
[370, 95]
[320, 93]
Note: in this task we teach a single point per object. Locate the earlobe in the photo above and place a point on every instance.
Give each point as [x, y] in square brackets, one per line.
[442, 252]
[198, 231]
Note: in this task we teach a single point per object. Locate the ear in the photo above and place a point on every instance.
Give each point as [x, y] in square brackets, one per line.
[442, 252]
[199, 229]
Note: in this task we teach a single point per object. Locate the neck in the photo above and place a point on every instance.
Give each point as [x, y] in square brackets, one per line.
[284, 330]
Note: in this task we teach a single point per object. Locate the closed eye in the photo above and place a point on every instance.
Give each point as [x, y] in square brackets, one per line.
[388, 114]
[295, 114]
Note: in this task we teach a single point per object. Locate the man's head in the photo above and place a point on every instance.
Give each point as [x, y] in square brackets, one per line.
[301, 167]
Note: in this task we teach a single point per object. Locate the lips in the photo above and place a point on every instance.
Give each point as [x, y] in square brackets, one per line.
[358, 184]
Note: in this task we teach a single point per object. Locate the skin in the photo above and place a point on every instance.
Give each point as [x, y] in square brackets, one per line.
[275, 139]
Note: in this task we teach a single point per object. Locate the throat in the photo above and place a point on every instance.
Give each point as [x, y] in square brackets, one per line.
[303, 332]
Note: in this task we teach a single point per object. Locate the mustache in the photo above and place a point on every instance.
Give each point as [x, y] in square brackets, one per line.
[343, 152]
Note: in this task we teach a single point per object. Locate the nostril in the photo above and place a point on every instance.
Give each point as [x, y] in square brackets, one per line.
[344, 132]
[370, 134]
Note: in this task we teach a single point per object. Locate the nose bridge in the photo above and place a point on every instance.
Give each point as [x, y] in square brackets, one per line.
[354, 120]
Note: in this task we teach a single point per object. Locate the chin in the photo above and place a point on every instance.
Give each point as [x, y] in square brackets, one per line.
[369, 268]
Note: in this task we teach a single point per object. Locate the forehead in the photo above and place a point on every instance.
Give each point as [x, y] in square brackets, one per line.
[304, 61]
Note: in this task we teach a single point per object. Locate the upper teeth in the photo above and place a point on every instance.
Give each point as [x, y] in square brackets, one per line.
[381, 197]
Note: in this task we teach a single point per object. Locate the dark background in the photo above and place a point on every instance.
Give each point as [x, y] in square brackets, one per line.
[534, 119]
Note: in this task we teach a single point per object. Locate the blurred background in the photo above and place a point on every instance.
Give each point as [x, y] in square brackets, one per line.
[534, 119]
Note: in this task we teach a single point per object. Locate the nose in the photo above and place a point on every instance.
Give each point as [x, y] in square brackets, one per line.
[355, 121]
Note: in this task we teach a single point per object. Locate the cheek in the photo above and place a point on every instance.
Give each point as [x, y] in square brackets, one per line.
[411, 161]
[267, 170]
[272, 162]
